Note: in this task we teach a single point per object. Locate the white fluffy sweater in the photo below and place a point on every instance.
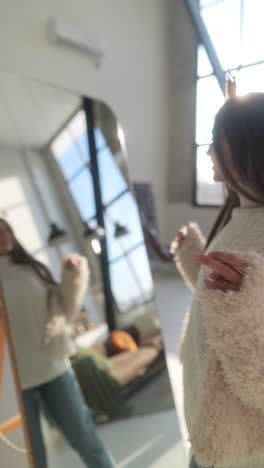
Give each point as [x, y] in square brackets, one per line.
[40, 319]
[222, 349]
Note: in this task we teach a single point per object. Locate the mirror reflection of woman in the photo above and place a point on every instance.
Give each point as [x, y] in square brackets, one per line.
[222, 348]
[40, 312]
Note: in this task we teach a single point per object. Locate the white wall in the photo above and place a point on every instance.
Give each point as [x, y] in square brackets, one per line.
[133, 79]
[179, 214]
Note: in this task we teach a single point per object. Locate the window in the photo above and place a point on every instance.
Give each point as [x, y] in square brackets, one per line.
[236, 31]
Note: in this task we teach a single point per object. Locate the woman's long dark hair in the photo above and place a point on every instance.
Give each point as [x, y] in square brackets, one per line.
[241, 122]
[20, 256]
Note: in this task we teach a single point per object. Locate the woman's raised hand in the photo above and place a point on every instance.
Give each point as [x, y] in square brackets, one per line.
[180, 238]
[230, 86]
[71, 262]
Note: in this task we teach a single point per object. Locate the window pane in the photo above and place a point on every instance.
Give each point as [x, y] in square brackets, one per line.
[115, 248]
[253, 31]
[66, 154]
[222, 20]
[208, 192]
[112, 181]
[204, 66]
[209, 99]
[78, 132]
[82, 191]
[125, 289]
[82, 143]
[125, 212]
[99, 138]
[250, 79]
[139, 261]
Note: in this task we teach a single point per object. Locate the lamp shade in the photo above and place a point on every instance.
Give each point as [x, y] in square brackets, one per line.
[93, 233]
[56, 233]
[120, 230]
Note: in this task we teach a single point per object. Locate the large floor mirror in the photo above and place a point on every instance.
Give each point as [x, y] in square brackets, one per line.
[65, 188]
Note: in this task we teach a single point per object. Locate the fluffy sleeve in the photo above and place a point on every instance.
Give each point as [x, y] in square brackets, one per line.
[64, 304]
[185, 263]
[235, 328]
[73, 288]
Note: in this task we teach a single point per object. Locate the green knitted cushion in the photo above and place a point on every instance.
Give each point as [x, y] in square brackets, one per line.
[101, 391]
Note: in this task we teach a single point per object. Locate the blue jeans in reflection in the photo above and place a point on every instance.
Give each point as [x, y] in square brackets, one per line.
[65, 403]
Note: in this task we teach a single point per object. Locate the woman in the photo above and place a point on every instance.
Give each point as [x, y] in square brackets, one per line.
[222, 348]
[40, 314]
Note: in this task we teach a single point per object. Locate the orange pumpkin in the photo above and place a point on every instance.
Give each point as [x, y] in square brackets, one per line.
[122, 341]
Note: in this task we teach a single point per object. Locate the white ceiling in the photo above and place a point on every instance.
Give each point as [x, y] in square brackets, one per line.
[30, 112]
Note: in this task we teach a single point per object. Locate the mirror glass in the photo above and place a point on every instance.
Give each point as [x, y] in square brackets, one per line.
[76, 276]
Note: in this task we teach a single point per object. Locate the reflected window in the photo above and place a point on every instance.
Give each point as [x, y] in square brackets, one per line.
[81, 188]
[112, 181]
[100, 141]
[125, 212]
[71, 151]
[78, 132]
[67, 154]
[124, 285]
[238, 49]
[131, 280]
[129, 266]
[140, 265]
[114, 247]
[130, 274]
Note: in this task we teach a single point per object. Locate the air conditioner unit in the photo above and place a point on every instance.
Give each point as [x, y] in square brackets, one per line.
[73, 36]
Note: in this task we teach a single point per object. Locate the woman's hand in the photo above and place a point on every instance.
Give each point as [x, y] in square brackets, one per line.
[71, 262]
[227, 270]
[179, 239]
[230, 86]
